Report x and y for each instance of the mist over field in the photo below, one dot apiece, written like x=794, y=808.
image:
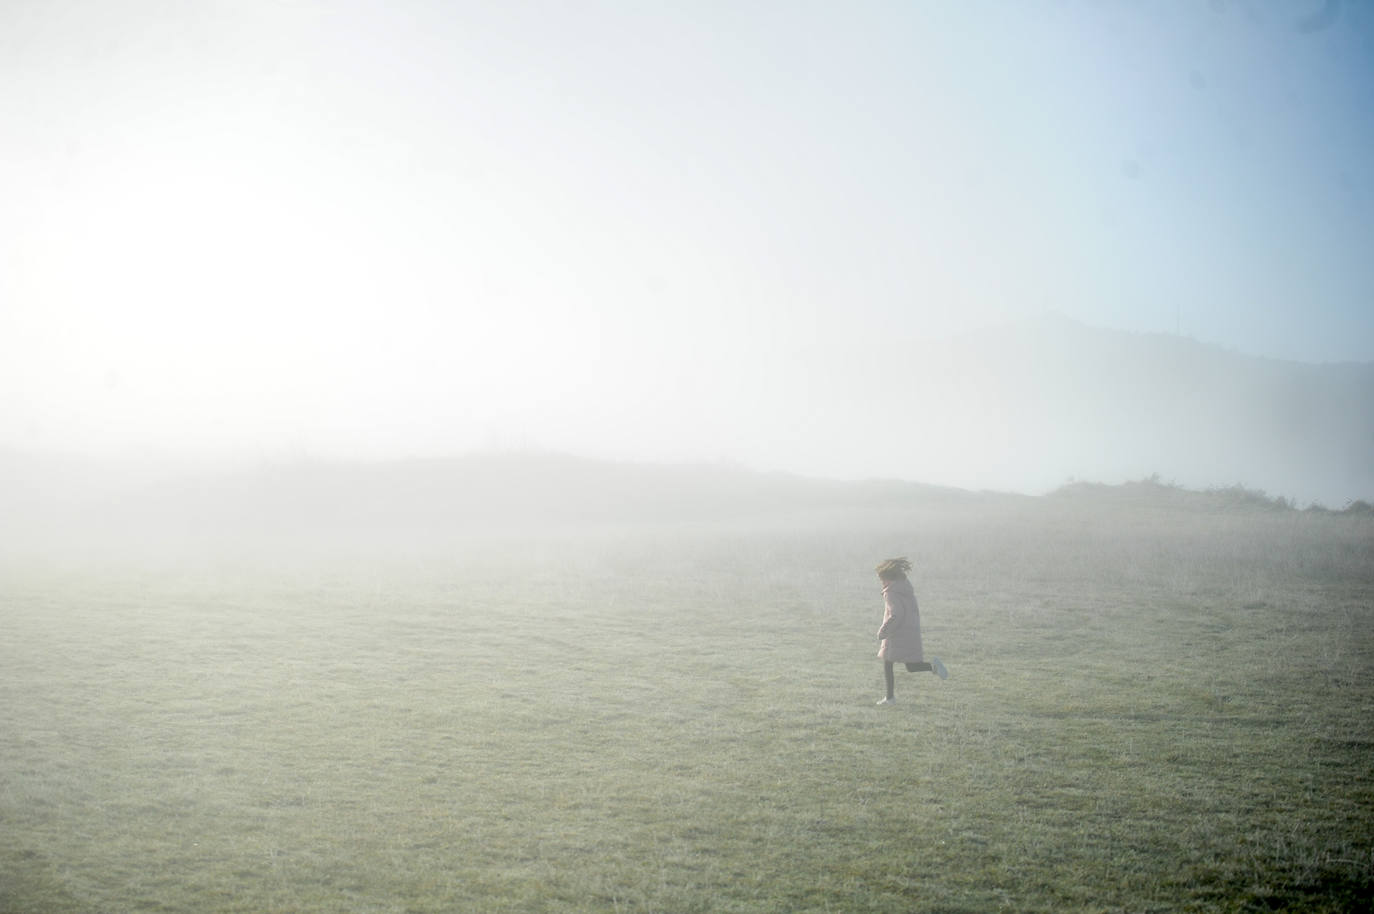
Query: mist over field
x=445, y=448
x=541, y=683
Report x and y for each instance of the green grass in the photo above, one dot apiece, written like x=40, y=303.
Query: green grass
x=1148, y=710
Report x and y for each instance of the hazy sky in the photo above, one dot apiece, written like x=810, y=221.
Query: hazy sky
x=643, y=229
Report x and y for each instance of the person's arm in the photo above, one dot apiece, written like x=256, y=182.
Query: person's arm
x=889, y=618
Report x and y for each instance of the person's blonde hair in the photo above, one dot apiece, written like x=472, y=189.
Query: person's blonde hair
x=893, y=569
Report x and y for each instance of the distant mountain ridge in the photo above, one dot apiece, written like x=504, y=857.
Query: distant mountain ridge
x=1056, y=399
x=473, y=491
x=1021, y=409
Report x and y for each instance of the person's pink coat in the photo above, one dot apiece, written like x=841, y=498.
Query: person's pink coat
x=901, y=630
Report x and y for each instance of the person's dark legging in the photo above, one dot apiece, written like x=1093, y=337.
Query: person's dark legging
x=890, y=680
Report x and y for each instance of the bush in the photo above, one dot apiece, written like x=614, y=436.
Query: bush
x=1238, y=495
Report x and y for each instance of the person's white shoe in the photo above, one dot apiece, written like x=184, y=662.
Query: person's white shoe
x=888, y=701
x=939, y=668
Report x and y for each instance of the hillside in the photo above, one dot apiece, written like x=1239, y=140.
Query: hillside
x=56, y=503
x=88, y=500
x=1031, y=407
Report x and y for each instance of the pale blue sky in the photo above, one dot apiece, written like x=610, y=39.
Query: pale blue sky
x=633, y=228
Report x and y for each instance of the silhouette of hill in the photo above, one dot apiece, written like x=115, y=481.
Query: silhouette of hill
x=1019, y=409
x=55, y=504
x=471, y=492
x=1027, y=408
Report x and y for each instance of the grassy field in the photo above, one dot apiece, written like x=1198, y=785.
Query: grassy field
x=1151, y=707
